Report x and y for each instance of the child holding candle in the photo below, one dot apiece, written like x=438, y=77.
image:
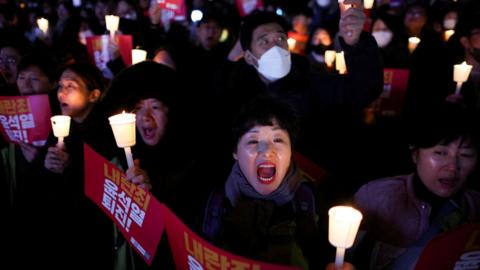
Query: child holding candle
x=403, y=213
x=267, y=209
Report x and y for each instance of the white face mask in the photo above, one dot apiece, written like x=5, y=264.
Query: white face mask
x=323, y=3
x=449, y=24
x=275, y=63
x=383, y=38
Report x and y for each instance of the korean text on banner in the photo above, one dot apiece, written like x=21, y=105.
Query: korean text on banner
x=390, y=103
x=25, y=119
x=135, y=211
x=173, y=10
x=455, y=249
x=193, y=253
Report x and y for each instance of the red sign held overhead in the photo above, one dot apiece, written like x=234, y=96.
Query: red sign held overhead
x=246, y=7
x=134, y=210
x=97, y=47
x=25, y=119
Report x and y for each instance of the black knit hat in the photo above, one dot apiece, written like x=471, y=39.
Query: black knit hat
x=257, y=18
x=142, y=81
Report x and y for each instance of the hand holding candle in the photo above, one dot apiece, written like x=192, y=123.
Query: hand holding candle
x=460, y=75
x=112, y=22
x=343, y=225
x=61, y=127
x=123, y=127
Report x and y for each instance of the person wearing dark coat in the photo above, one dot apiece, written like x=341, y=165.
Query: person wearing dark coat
x=166, y=154
x=329, y=105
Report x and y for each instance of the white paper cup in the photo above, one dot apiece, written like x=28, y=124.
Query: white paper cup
x=60, y=125
x=343, y=223
x=123, y=127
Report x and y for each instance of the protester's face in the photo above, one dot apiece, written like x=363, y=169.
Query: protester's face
x=32, y=80
x=321, y=37
x=300, y=24
x=415, y=18
x=444, y=168
x=264, y=155
x=9, y=58
x=75, y=99
x=152, y=119
x=265, y=37
x=209, y=34
x=100, y=10
x=475, y=38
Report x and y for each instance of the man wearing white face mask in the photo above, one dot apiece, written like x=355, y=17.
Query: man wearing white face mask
x=268, y=68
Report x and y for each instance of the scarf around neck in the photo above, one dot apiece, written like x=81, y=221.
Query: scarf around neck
x=237, y=187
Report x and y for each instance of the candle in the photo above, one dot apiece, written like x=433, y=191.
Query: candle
x=460, y=75
x=61, y=127
x=340, y=64
x=112, y=22
x=447, y=34
x=123, y=127
x=343, y=223
x=413, y=43
x=330, y=57
x=138, y=56
x=368, y=4
x=291, y=43
x=43, y=25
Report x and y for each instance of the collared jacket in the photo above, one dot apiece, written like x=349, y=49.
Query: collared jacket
x=396, y=218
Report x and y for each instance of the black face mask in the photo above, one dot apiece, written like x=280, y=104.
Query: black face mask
x=476, y=54
x=320, y=49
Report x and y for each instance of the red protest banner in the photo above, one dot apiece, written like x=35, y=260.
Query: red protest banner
x=390, y=102
x=455, y=249
x=135, y=211
x=192, y=252
x=246, y=7
x=25, y=119
x=172, y=10
x=173, y=5
x=97, y=47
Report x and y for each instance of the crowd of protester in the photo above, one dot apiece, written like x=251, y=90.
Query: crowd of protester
x=224, y=103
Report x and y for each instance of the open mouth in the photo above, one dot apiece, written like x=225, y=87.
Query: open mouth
x=448, y=182
x=266, y=173
x=149, y=132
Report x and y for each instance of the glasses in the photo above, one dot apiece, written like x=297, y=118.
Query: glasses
x=8, y=60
